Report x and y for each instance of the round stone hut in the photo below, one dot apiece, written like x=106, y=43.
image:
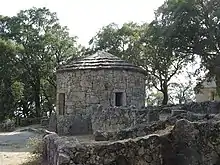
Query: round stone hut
x=102, y=79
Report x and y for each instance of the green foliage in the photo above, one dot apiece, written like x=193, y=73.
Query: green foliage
x=28, y=71
x=160, y=61
x=8, y=75
x=193, y=28
x=120, y=41
x=154, y=98
x=36, y=144
x=182, y=93
x=143, y=45
x=7, y=125
x=33, y=44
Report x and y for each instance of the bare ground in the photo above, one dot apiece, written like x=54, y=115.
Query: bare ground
x=13, y=147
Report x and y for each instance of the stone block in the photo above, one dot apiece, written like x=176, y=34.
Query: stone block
x=63, y=159
x=100, y=136
x=52, y=122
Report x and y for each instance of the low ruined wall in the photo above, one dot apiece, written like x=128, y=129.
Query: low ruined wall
x=151, y=128
x=104, y=119
x=126, y=152
x=186, y=144
x=192, y=143
x=208, y=107
x=113, y=118
x=117, y=118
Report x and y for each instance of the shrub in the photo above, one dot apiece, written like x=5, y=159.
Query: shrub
x=36, y=144
x=7, y=125
x=29, y=121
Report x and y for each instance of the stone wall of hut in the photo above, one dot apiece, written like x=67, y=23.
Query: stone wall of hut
x=83, y=88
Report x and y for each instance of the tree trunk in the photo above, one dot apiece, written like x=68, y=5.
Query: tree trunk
x=37, y=104
x=37, y=97
x=49, y=102
x=8, y=98
x=165, y=98
x=165, y=94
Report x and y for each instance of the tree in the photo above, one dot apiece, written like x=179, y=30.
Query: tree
x=193, y=28
x=46, y=45
x=120, y=41
x=154, y=98
x=182, y=93
x=161, y=62
x=143, y=45
x=8, y=77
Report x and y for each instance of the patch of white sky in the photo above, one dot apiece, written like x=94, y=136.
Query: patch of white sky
x=85, y=18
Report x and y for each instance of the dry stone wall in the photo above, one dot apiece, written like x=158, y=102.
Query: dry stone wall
x=150, y=128
x=188, y=143
x=208, y=107
x=114, y=119
x=118, y=118
x=126, y=152
x=98, y=118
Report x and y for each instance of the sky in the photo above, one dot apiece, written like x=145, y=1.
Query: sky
x=85, y=18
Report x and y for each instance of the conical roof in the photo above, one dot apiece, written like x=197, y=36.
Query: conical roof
x=100, y=60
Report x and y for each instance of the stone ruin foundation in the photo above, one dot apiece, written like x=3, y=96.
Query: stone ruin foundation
x=187, y=143
x=184, y=137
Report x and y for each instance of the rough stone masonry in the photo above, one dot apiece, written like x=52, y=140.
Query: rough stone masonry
x=187, y=143
x=98, y=79
x=105, y=95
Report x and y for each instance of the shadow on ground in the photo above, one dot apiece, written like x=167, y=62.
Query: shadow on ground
x=16, y=141
x=14, y=148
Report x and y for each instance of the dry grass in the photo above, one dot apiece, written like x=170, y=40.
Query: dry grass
x=33, y=160
x=19, y=147
x=36, y=144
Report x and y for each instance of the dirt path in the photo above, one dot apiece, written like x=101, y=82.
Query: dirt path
x=13, y=147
